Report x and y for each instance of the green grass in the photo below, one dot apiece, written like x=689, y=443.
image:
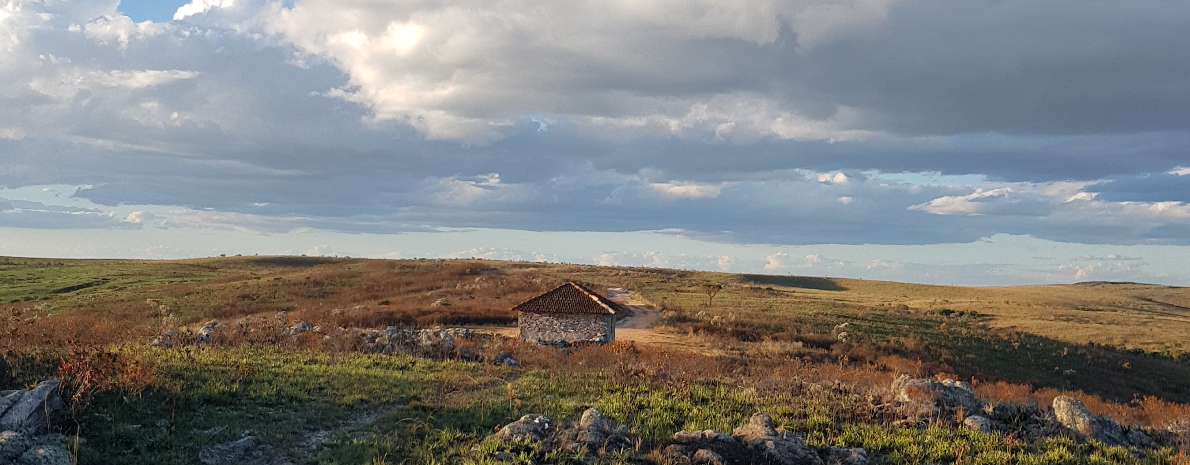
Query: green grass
x=439, y=412
x=28, y=279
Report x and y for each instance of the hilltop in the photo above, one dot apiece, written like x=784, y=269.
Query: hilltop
x=818, y=354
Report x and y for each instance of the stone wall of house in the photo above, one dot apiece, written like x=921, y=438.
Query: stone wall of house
x=567, y=328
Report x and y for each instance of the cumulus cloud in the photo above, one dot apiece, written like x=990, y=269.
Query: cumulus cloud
x=742, y=121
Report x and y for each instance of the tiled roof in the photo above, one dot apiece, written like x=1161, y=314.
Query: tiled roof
x=569, y=298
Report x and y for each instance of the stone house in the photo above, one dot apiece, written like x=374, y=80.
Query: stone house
x=567, y=314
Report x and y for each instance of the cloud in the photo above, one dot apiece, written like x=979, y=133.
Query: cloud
x=197, y=7
x=685, y=190
x=1180, y=171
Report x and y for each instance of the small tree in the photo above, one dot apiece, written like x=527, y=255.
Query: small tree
x=711, y=290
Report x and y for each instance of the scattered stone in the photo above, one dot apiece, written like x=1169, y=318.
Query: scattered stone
x=13, y=444
x=505, y=358
x=300, y=327
x=926, y=398
x=207, y=332
x=440, y=303
x=978, y=423
x=594, y=436
x=847, y=456
x=599, y=434
x=247, y=450
x=705, y=447
x=46, y=454
x=164, y=340
x=531, y=427
x=1074, y=415
x=32, y=412
x=768, y=446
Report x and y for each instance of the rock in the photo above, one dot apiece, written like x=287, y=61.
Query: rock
x=1073, y=415
x=5, y=372
x=244, y=451
x=46, y=454
x=1140, y=439
x=206, y=334
x=13, y=444
x=767, y=446
x=533, y=428
x=440, y=303
x=847, y=456
x=978, y=423
x=707, y=457
x=504, y=358
x=300, y=327
x=32, y=412
x=504, y=456
x=923, y=397
x=164, y=340
x=691, y=444
x=599, y=434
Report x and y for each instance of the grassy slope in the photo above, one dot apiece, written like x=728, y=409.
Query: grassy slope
x=431, y=409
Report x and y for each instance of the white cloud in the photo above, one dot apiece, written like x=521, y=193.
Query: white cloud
x=837, y=178
x=12, y=133
x=119, y=29
x=1180, y=171
x=197, y=7
x=685, y=190
x=845, y=200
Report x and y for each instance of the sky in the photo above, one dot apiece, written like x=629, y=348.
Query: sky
x=987, y=142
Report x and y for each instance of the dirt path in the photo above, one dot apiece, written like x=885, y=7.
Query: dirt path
x=643, y=316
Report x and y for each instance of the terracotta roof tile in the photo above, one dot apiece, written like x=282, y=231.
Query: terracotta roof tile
x=570, y=298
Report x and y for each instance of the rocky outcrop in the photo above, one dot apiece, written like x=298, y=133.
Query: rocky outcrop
x=1074, y=415
x=29, y=411
x=24, y=418
x=762, y=439
x=505, y=358
x=593, y=436
x=932, y=399
x=208, y=332
x=756, y=442
x=705, y=448
x=978, y=423
x=847, y=456
x=435, y=341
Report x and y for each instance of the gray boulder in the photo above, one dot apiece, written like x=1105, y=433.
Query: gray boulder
x=299, y=328
x=13, y=444
x=599, y=434
x=926, y=398
x=769, y=446
x=705, y=447
x=847, y=456
x=978, y=423
x=46, y=454
x=504, y=358
x=207, y=333
x=531, y=427
x=1073, y=415
x=32, y=411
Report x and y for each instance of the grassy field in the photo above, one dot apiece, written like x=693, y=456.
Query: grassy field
x=1121, y=348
